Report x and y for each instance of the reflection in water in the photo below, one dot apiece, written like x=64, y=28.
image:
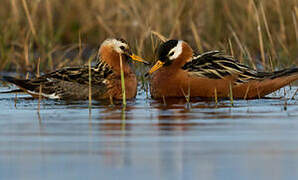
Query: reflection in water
x=115, y=118
x=148, y=140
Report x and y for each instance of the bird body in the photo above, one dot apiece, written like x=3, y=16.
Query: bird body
x=179, y=73
x=72, y=83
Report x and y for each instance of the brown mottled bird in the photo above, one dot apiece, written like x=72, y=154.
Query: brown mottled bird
x=72, y=83
x=178, y=73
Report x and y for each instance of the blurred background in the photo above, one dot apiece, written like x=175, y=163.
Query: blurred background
x=262, y=34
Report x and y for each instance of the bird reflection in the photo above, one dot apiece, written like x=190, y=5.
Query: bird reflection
x=113, y=117
x=121, y=134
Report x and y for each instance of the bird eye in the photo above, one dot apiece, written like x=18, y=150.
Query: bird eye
x=171, y=54
x=122, y=47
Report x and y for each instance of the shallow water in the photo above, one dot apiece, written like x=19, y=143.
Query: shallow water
x=256, y=139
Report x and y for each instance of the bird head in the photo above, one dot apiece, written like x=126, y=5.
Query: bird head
x=120, y=46
x=172, y=53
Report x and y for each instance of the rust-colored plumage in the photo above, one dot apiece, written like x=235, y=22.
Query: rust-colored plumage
x=179, y=72
x=72, y=83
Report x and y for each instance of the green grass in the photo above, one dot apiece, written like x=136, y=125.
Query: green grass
x=257, y=32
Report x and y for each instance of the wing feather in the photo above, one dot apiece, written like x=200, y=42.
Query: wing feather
x=75, y=77
x=215, y=65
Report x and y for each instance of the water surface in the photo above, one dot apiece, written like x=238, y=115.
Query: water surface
x=256, y=139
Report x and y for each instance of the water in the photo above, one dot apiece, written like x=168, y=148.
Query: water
x=256, y=139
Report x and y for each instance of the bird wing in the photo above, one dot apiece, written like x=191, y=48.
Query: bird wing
x=66, y=80
x=78, y=74
x=215, y=65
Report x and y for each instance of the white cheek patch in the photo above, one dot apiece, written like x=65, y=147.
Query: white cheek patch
x=115, y=44
x=177, y=51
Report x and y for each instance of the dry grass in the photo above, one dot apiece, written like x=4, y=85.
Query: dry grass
x=254, y=31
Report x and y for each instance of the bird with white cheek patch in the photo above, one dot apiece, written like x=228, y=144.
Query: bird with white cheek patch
x=72, y=83
x=178, y=72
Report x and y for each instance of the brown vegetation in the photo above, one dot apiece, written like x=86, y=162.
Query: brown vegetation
x=261, y=32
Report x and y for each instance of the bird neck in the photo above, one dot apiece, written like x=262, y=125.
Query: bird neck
x=112, y=58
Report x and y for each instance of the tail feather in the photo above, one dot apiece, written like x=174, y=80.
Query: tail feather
x=12, y=91
x=22, y=83
x=266, y=83
x=277, y=80
x=285, y=73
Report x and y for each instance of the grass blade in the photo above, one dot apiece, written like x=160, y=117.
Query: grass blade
x=122, y=82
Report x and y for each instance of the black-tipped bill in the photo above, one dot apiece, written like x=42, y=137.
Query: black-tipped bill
x=157, y=65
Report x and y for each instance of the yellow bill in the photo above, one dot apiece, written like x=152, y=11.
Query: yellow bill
x=157, y=65
x=139, y=59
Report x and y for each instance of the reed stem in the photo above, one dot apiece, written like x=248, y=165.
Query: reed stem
x=246, y=92
x=90, y=84
x=40, y=86
x=16, y=100
x=286, y=102
x=29, y=18
x=231, y=95
x=39, y=98
x=122, y=82
x=231, y=48
x=123, y=117
x=164, y=100
x=293, y=97
x=215, y=96
x=161, y=37
x=196, y=36
x=260, y=35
